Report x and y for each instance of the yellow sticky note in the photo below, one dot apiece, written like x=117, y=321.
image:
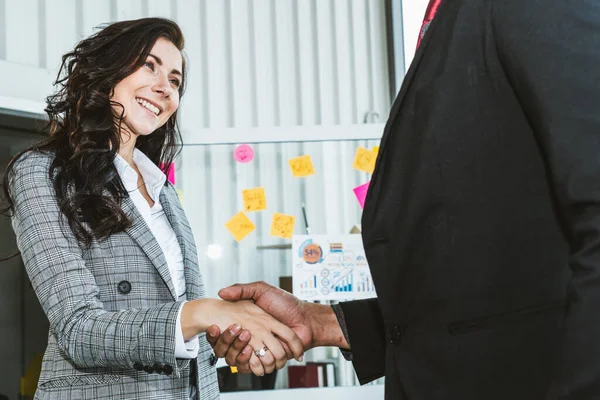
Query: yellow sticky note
x=240, y=226
x=180, y=195
x=283, y=225
x=254, y=199
x=376, y=149
x=364, y=160
x=233, y=370
x=302, y=166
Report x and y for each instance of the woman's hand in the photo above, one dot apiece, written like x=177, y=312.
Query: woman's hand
x=315, y=324
x=265, y=332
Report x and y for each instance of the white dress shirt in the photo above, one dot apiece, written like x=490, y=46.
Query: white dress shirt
x=154, y=180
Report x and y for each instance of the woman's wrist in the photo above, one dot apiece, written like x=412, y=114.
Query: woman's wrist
x=198, y=315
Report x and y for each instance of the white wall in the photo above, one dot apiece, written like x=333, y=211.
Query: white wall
x=253, y=63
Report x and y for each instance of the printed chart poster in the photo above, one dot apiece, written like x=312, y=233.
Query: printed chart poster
x=330, y=267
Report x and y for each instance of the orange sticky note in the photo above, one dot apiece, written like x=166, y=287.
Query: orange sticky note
x=364, y=160
x=254, y=199
x=302, y=166
x=240, y=226
x=233, y=370
x=283, y=225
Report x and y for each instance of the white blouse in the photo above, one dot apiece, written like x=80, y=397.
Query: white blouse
x=154, y=180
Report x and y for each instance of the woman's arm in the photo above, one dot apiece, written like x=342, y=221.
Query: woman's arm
x=88, y=335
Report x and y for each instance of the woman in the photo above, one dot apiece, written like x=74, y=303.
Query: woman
x=105, y=242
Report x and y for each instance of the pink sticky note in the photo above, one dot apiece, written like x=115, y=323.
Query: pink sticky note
x=361, y=193
x=243, y=153
x=170, y=172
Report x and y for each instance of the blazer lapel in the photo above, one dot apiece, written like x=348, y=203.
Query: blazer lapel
x=414, y=66
x=185, y=237
x=141, y=234
x=374, y=190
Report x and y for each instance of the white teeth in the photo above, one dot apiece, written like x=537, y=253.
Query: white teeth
x=149, y=106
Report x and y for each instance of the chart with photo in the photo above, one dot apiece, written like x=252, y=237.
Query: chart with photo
x=330, y=267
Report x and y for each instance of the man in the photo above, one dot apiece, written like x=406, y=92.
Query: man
x=482, y=221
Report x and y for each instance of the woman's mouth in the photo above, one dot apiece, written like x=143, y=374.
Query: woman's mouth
x=154, y=110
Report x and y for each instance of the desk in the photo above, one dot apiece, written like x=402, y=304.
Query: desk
x=371, y=392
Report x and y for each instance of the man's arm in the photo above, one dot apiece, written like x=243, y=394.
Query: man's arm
x=550, y=51
x=366, y=332
x=315, y=324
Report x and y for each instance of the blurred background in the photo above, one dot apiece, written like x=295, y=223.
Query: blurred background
x=287, y=77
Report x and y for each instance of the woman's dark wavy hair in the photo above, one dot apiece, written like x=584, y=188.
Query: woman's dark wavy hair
x=83, y=134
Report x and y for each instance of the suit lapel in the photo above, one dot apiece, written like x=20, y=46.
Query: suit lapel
x=410, y=75
x=141, y=234
x=374, y=190
x=185, y=237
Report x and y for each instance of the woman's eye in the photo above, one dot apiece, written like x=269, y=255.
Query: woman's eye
x=175, y=82
x=149, y=64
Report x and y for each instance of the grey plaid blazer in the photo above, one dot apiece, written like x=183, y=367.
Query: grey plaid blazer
x=111, y=307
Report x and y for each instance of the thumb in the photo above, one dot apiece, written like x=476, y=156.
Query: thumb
x=231, y=293
x=247, y=291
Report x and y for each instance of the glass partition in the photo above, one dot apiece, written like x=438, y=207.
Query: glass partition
x=210, y=182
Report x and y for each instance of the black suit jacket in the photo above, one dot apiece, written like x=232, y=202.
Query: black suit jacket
x=482, y=222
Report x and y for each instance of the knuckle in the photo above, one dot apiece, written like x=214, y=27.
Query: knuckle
x=230, y=360
x=219, y=352
x=280, y=355
x=255, y=363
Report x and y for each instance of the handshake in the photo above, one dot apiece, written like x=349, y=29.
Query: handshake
x=270, y=326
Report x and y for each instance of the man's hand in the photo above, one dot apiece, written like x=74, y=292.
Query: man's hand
x=315, y=324
x=289, y=310
x=283, y=306
x=233, y=344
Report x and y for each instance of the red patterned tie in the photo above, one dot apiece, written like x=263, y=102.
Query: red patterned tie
x=432, y=8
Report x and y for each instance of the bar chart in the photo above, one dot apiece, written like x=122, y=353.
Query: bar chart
x=330, y=267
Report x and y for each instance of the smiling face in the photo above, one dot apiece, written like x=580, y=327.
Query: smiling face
x=150, y=95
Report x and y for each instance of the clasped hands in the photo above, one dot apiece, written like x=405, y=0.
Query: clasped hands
x=292, y=327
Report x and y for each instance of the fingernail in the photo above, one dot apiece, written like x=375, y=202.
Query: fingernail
x=246, y=350
x=235, y=329
x=245, y=336
x=301, y=358
x=212, y=333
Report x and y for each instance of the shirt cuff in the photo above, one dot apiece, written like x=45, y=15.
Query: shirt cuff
x=339, y=314
x=184, y=349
